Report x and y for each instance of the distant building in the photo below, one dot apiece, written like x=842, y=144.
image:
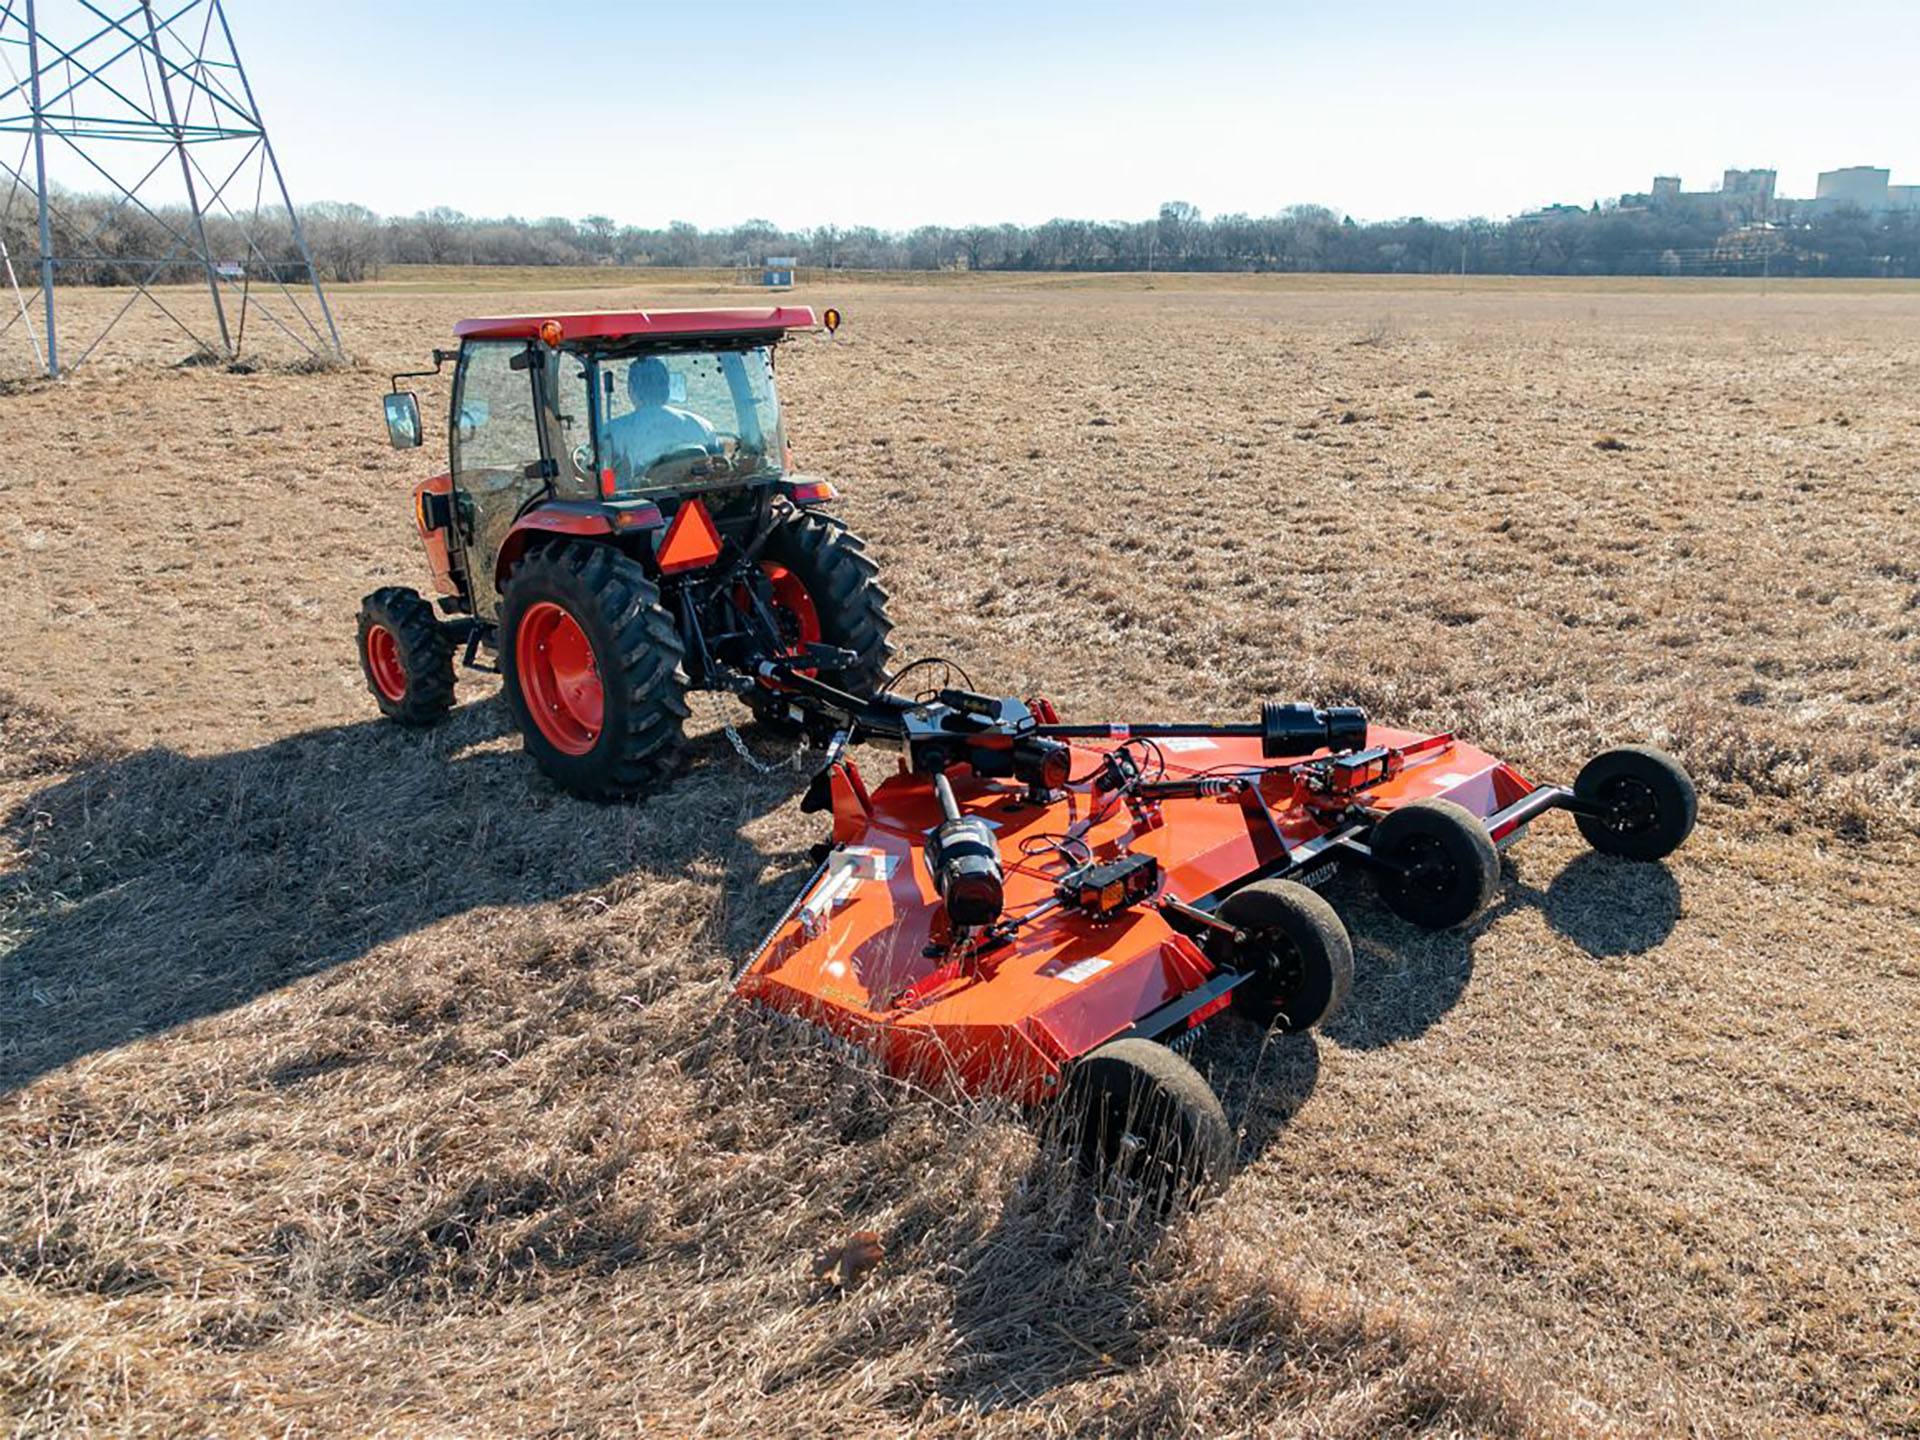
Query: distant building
x=1749, y=198
x=778, y=273
x=1862, y=186
x=1553, y=212
x=1747, y=195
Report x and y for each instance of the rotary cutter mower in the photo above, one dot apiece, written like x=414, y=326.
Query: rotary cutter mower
x=1046, y=910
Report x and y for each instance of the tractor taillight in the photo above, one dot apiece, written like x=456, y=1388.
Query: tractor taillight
x=608, y=483
x=813, y=492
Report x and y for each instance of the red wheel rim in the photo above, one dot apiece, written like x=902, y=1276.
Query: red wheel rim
x=793, y=609
x=559, y=678
x=383, y=663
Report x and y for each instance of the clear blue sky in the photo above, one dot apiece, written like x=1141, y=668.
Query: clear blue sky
x=896, y=113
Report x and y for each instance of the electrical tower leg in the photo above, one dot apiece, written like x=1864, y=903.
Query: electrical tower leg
x=40, y=185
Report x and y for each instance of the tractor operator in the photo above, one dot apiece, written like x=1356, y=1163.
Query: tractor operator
x=654, y=428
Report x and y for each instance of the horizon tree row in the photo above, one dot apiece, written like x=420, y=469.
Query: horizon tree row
x=352, y=243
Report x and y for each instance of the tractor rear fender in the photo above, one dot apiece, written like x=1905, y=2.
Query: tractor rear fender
x=590, y=520
x=542, y=526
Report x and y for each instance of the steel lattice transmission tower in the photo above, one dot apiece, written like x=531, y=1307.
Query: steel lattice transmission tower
x=147, y=106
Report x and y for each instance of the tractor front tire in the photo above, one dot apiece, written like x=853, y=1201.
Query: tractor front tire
x=849, y=603
x=406, y=656
x=1441, y=863
x=592, y=671
x=1300, y=954
x=1149, y=1122
x=1646, y=799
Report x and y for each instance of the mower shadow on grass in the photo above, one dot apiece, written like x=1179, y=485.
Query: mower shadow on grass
x=1405, y=980
x=156, y=888
x=1050, y=1295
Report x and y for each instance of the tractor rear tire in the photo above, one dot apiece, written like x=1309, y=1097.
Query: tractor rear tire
x=1447, y=863
x=406, y=656
x=592, y=670
x=1148, y=1121
x=1300, y=954
x=843, y=583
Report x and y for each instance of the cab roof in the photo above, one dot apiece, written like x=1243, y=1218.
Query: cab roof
x=772, y=320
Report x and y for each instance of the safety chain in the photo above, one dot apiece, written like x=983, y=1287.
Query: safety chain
x=795, y=761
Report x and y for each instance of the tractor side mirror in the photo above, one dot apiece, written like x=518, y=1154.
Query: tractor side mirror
x=403, y=419
x=676, y=389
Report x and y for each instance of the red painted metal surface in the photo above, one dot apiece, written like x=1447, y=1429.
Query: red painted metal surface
x=547, y=520
x=863, y=952
x=558, y=678
x=383, y=663
x=439, y=561
x=613, y=325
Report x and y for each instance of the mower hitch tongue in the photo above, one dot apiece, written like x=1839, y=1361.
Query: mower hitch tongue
x=1027, y=907
x=1040, y=910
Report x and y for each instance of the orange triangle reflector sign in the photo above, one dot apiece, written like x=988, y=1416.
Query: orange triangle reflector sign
x=692, y=540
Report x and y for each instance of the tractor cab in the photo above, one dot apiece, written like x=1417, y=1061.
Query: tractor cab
x=604, y=420
x=619, y=523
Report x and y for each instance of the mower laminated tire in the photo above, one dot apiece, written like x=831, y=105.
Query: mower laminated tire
x=1439, y=864
x=1647, y=801
x=406, y=656
x=592, y=670
x=1299, y=952
x=849, y=604
x=1148, y=1121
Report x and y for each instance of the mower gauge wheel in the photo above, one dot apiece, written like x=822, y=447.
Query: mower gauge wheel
x=1646, y=799
x=1439, y=865
x=1300, y=955
x=1144, y=1120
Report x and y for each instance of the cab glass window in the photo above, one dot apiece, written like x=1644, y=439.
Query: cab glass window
x=495, y=425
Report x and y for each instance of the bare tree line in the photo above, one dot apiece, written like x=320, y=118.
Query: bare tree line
x=351, y=243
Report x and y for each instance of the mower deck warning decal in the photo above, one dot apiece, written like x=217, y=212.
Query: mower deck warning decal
x=1083, y=970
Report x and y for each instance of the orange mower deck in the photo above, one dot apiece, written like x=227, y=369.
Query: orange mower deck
x=865, y=950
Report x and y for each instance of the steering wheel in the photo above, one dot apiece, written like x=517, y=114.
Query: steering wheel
x=681, y=462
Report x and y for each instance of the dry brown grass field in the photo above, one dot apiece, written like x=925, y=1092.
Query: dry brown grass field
x=355, y=1081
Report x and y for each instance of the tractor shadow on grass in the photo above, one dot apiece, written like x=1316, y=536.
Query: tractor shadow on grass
x=154, y=888
x=1405, y=979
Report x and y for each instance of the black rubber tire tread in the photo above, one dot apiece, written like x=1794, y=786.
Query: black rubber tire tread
x=1462, y=840
x=844, y=584
x=426, y=654
x=1676, y=806
x=1141, y=1087
x=1287, y=912
x=637, y=648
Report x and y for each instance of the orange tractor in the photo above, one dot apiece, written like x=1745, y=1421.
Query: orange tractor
x=1026, y=906
x=620, y=523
